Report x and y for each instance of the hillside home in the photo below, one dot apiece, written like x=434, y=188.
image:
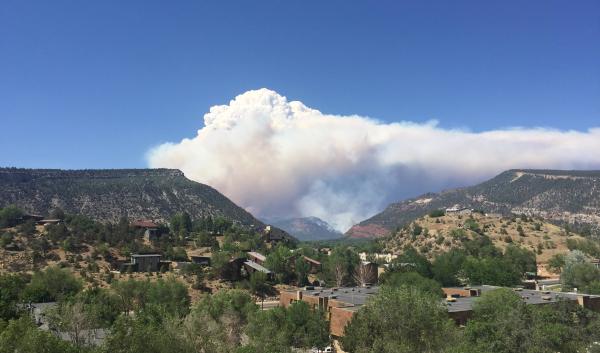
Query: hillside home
x=251, y=267
x=315, y=266
x=143, y=263
x=458, y=210
x=200, y=260
x=257, y=257
x=45, y=222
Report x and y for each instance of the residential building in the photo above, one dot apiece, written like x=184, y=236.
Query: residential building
x=340, y=304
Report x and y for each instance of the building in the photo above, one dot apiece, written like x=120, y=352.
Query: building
x=143, y=263
x=460, y=301
x=200, y=260
x=384, y=257
x=340, y=304
x=45, y=222
x=273, y=235
x=151, y=234
x=251, y=267
x=257, y=257
x=458, y=210
x=315, y=266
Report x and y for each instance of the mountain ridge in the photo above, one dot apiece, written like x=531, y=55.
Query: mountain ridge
x=109, y=194
x=560, y=196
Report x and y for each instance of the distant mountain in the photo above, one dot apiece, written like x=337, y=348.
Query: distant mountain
x=308, y=228
x=108, y=195
x=562, y=197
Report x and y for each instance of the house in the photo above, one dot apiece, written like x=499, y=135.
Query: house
x=251, y=267
x=232, y=271
x=458, y=210
x=275, y=235
x=326, y=251
x=31, y=217
x=151, y=235
x=45, y=222
x=143, y=263
x=315, y=266
x=200, y=260
x=257, y=257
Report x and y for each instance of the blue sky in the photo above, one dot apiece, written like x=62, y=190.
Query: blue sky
x=96, y=84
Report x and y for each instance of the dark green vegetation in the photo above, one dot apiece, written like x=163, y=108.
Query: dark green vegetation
x=405, y=318
x=534, y=192
x=109, y=195
x=148, y=316
x=477, y=262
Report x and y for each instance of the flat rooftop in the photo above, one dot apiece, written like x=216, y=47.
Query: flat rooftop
x=529, y=296
x=146, y=255
x=355, y=297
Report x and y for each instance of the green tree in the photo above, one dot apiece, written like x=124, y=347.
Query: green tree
x=578, y=272
x=10, y=216
x=181, y=225
x=411, y=261
x=503, y=323
x=413, y=280
x=523, y=259
x=296, y=326
x=340, y=265
x=499, y=323
x=279, y=260
x=51, y=284
x=302, y=269
x=556, y=263
x=399, y=320
x=23, y=335
x=446, y=267
x=11, y=287
x=491, y=270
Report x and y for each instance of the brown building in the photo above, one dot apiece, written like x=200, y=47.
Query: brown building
x=340, y=304
x=315, y=266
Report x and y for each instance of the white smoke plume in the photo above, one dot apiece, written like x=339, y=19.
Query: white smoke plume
x=279, y=158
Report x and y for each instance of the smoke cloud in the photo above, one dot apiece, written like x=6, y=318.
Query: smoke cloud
x=280, y=158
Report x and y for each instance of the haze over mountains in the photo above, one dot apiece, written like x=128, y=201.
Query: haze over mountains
x=558, y=196
x=307, y=228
